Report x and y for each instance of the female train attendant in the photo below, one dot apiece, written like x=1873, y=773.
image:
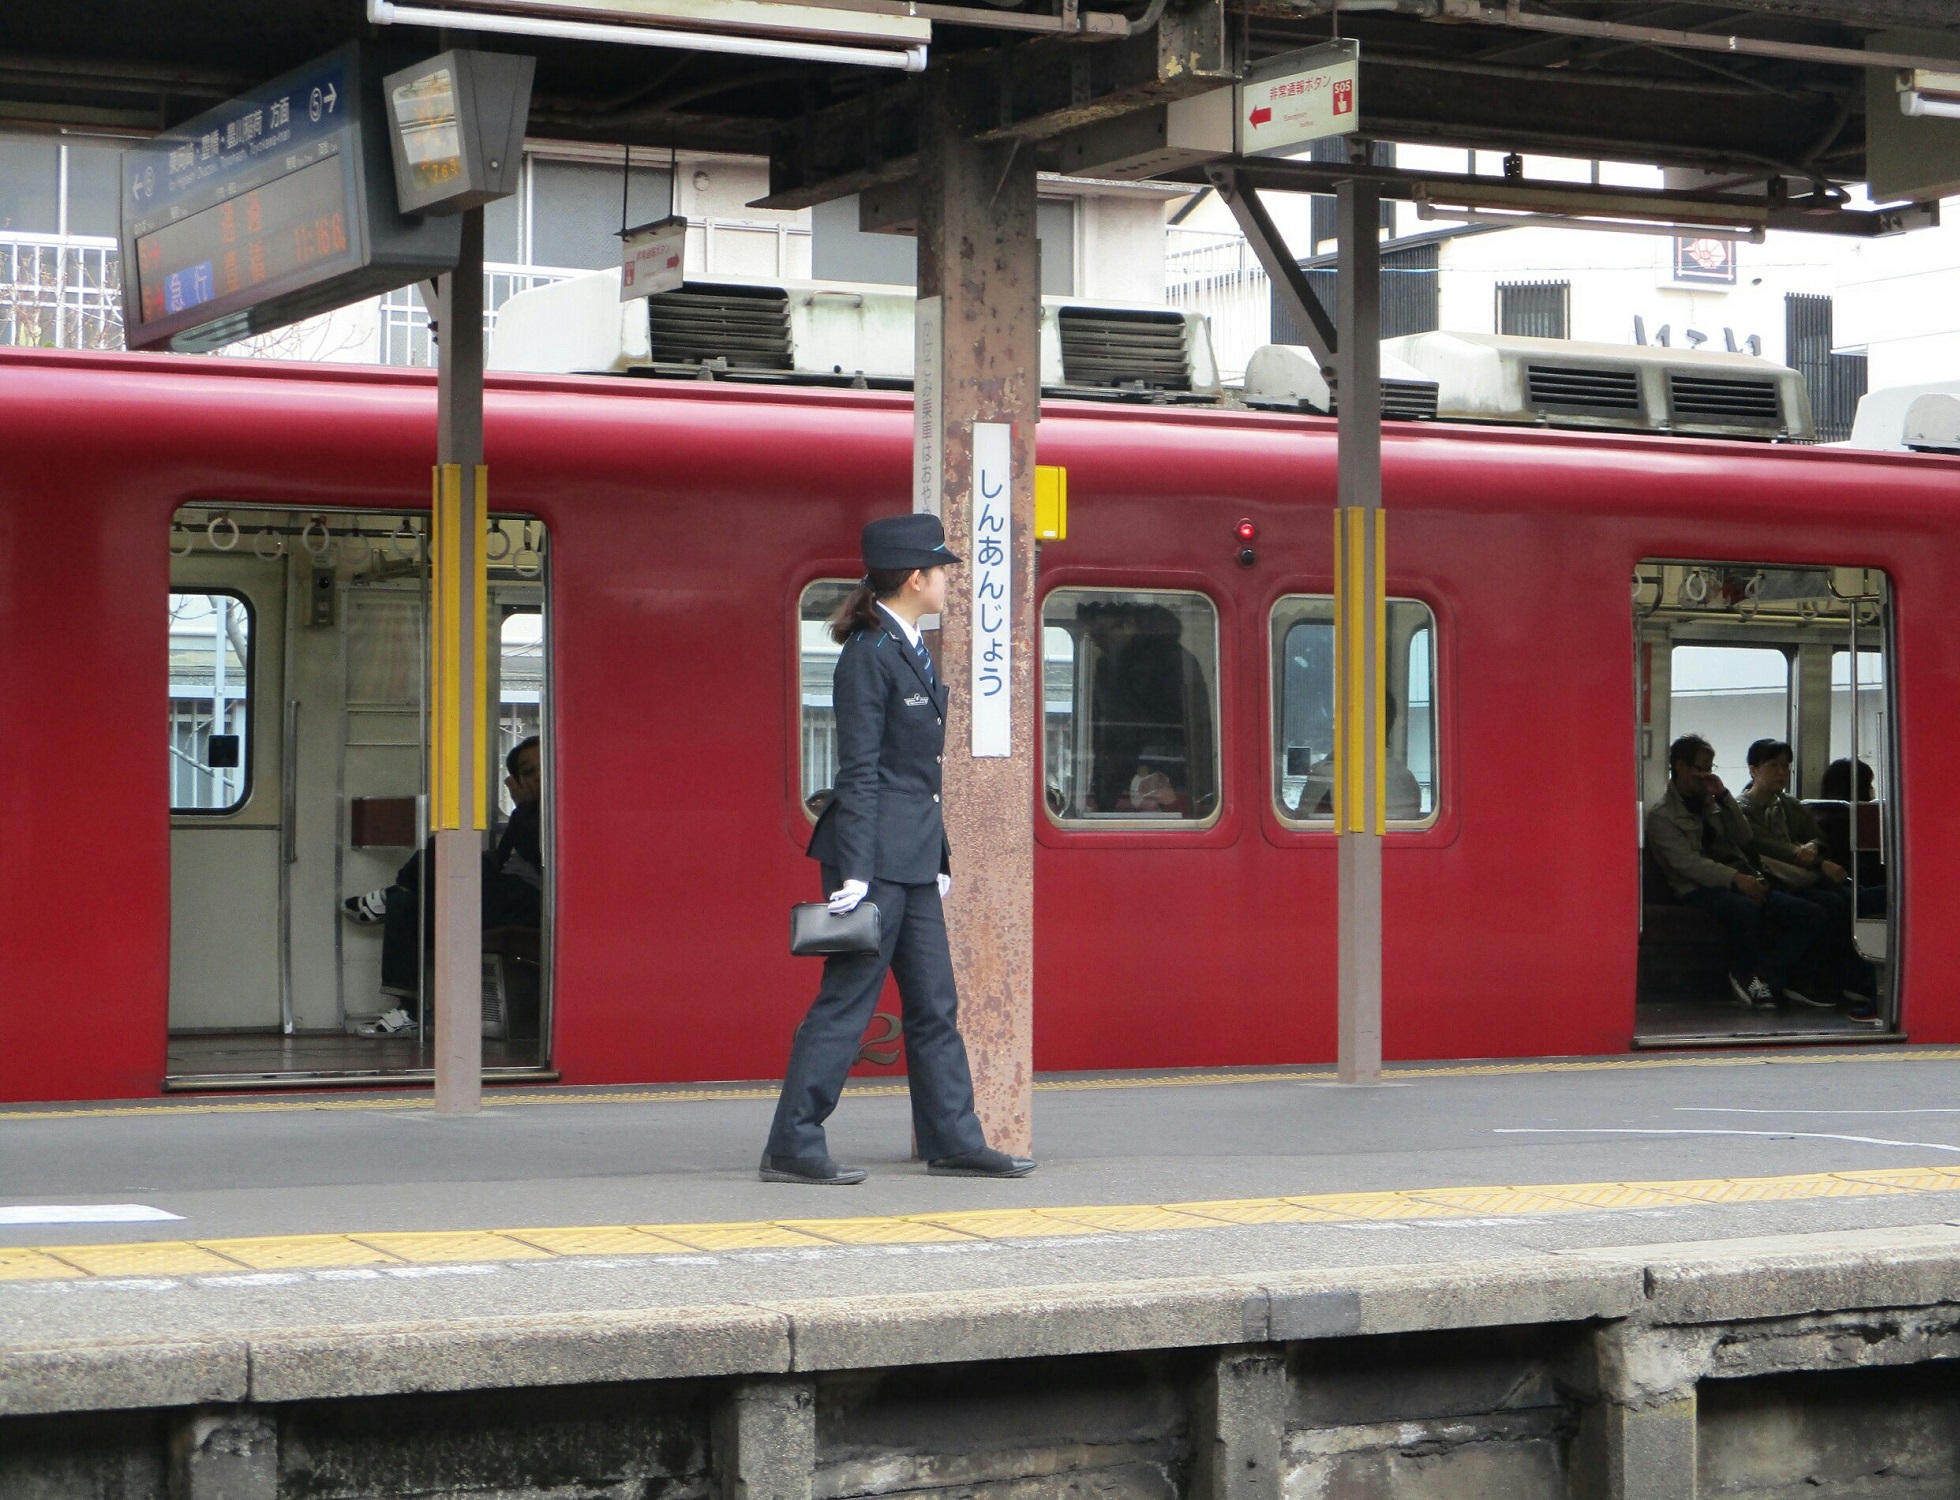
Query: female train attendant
x=881, y=839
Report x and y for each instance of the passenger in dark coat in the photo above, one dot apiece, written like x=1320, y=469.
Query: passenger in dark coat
x=882, y=838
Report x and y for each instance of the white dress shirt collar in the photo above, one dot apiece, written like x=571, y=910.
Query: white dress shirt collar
x=910, y=630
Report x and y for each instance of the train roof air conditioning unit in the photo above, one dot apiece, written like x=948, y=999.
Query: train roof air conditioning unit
x=1484, y=377
x=838, y=333
x=1287, y=376
x=810, y=332
x=1933, y=424
x=1922, y=418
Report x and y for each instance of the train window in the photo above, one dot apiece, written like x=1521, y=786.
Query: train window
x=1130, y=706
x=1870, y=747
x=1731, y=696
x=1303, y=710
x=520, y=690
x=210, y=702
x=817, y=666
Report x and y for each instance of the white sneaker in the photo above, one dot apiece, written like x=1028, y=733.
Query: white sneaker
x=392, y=1023
x=1754, y=993
x=373, y=907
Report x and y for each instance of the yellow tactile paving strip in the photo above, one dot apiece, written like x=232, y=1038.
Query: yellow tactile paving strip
x=403, y=1250
x=684, y=1094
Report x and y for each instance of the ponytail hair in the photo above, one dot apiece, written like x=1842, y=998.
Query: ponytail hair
x=859, y=610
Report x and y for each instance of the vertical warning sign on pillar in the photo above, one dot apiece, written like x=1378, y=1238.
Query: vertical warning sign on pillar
x=992, y=570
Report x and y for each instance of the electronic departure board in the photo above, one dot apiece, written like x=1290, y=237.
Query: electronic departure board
x=271, y=208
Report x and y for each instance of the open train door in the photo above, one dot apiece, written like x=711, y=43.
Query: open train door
x=1747, y=657
x=300, y=925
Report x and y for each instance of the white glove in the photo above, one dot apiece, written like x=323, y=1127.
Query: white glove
x=847, y=898
x=945, y=885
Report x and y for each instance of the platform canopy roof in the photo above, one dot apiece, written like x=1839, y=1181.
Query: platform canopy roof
x=1635, y=80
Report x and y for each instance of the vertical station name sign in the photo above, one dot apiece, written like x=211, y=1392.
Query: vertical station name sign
x=992, y=569
x=1289, y=101
x=273, y=207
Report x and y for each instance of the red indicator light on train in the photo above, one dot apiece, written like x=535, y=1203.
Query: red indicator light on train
x=1247, y=531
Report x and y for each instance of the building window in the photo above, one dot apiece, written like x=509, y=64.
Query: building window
x=1130, y=706
x=1054, y=232
x=1534, y=309
x=210, y=702
x=1303, y=710
x=1836, y=382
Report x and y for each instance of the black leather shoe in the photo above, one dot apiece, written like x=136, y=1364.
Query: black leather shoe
x=820, y=1170
x=986, y=1162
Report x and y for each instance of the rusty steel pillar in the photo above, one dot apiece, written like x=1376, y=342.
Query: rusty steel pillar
x=980, y=292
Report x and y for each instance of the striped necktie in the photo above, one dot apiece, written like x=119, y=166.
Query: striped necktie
x=925, y=660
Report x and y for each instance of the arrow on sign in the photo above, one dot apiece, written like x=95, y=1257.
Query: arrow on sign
x=330, y=97
x=1260, y=116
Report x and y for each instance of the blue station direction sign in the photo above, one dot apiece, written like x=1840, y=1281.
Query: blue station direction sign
x=275, y=206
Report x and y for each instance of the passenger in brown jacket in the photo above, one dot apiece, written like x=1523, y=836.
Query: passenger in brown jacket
x=1703, y=844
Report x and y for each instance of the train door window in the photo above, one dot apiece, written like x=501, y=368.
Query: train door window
x=210, y=701
x=1130, y=707
x=817, y=671
x=1738, y=654
x=1303, y=711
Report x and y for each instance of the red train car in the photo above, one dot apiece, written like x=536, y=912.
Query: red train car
x=1569, y=601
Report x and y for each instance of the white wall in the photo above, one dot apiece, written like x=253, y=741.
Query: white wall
x=1899, y=299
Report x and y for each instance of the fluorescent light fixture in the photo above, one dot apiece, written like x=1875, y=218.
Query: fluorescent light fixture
x=1754, y=235
x=1925, y=92
x=746, y=28
x=1738, y=216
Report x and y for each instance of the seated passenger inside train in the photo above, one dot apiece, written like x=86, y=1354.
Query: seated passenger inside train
x=1404, y=792
x=1147, y=689
x=1833, y=817
x=1704, y=846
x=1792, y=853
x=513, y=889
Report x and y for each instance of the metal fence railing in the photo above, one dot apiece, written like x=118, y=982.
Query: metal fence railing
x=405, y=316
x=1216, y=274
x=60, y=293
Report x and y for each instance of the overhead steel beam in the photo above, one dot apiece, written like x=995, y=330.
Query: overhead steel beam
x=1809, y=213
x=1026, y=93
x=1290, y=283
x=1925, y=15
x=1514, y=15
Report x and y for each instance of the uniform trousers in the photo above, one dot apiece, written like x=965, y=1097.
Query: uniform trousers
x=913, y=948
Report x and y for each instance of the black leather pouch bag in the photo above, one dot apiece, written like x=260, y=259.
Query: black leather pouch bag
x=814, y=930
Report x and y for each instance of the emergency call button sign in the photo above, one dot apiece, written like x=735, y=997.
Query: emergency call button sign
x=1289, y=101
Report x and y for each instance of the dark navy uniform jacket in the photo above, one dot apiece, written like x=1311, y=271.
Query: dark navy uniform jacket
x=883, y=821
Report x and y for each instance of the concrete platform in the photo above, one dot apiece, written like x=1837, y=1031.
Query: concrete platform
x=1667, y=1277
x=348, y=1211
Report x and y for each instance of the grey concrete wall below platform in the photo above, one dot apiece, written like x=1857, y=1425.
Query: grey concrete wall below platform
x=1820, y=1366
